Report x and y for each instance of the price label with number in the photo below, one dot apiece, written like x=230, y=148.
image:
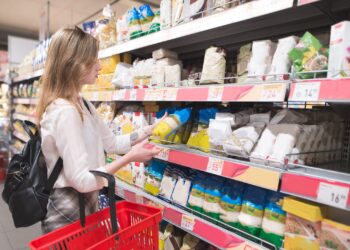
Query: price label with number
x=95, y=96
x=119, y=95
x=120, y=192
x=306, y=91
x=171, y=94
x=188, y=222
x=164, y=154
x=215, y=93
x=333, y=195
x=215, y=166
x=273, y=92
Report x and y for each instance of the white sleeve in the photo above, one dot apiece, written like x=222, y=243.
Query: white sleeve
x=112, y=144
x=71, y=148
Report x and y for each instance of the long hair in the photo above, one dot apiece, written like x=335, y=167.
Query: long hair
x=71, y=55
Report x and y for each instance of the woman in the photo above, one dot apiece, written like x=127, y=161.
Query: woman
x=70, y=131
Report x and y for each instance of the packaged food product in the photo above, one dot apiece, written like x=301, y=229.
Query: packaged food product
x=108, y=64
x=218, y=5
x=212, y=194
x=170, y=124
x=139, y=174
x=261, y=59
x=125, y=174
x=122, y=29
x=260, y=117
x=155, y=25
x=281, y=63
x=165, y=14
x=177, y=11
x=289, y=116
x=334, y=235
x=147, y=16
x=182, y=187
x=303, y=224
x=106, y=112
x=122, y=77
x=90, y=27
x=172, y=75
x=273, y=225
x=309, y=55
x=134, y=23
x=154, y=177
x=199, y=140
x=251, y=215
x=214, y=66
x=339, y=50
x=106, y=28
x=196, y=197
x=231, y=203
x=168, y=183
x=164, y=53
x=219, y=131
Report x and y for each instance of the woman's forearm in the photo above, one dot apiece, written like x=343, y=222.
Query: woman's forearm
x=114, y=166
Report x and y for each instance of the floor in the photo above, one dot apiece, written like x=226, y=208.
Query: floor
x=12, y=238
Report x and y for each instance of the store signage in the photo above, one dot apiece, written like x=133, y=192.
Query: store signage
x=333, y=195
x=187, y=222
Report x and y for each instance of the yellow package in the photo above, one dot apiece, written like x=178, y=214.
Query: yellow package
x=104, y=82
x=303, y=225
x=126, y=58
x=200, y=140
x=335, y=235
x=125, y=174
x=109, y=64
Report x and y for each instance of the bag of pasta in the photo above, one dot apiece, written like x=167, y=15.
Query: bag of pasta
x=106, y=31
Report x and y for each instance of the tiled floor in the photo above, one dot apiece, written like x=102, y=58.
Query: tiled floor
x=12, y=238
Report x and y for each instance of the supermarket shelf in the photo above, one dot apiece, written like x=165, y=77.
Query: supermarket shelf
x=242, y=171
x=24, y=117
x=222, y=21
x=318, y=185
x=324, y=90
x=205, y=230
x=21, y=136
x=263, y=92
x=28, y=76
x=30, y=101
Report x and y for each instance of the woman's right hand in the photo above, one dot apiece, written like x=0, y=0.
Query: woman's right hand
x=143, y=152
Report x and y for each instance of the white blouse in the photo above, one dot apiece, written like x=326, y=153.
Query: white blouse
x=80, y=143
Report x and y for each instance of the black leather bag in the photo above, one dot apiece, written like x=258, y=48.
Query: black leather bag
x=27, y=187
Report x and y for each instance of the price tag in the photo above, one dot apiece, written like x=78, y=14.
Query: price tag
x=273, y=93
x=170, y=94
x=133, y=95
x=120, y=192
x=119, y=95
x=215, y=93
x=188, y=222
x=139, y=199
x=164, y=154
x=215, y=166
x=333, y=195
x=102, y=96
x=306, y=91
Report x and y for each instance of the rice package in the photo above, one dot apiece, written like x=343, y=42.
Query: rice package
x=212, y=194
x=146, y=17
x=182, y=187
x=253, y=205
x=155, y=24
x=214, y=66
x=231, y=202
x=309, y=55
x=196, y=197
x=168, y=183
x=273, y=224
x=134, y=23
x=154, y=177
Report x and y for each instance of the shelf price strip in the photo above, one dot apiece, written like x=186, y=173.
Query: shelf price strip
x=306, y=91
x=272, y=92
x=333, y=195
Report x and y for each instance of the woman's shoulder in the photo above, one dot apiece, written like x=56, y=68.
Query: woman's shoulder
x=58, y=108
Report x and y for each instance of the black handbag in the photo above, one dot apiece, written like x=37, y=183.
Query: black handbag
x=27, y=187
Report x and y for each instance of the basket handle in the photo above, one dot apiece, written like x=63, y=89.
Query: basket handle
x=111, y=197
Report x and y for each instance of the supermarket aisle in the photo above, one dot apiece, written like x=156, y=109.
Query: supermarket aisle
x=12, y=238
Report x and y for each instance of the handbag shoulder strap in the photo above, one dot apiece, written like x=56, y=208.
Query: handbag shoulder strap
x=87, y=105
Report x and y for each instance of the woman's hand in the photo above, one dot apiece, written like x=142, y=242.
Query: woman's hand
x=143, y=152
x=149, y=129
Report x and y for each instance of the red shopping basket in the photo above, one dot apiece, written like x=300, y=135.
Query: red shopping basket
x=137, y=229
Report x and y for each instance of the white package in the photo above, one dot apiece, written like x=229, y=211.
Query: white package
x=168, y=62
x=138, y=174
x=172, y=75
x=218, y=132
x=122, y=77
x=260, y=62
x=177, y=11
x=243, y=140
x=164, y=53
x=339, y=50
x=122, y=28
x=158, y=76
x=214, y=66
x=181, y=191
x=218, y=5
x=284, y=143
x=300, y=146
x=281, y=63
x=167, y=186
x=289, y=116
x=165, y=14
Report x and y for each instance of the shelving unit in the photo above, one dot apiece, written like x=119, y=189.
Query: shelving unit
x=182, y=218
x=255, y=20
x=24, y=117
x=21, y=136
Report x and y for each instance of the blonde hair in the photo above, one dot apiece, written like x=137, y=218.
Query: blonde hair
x=71, y=55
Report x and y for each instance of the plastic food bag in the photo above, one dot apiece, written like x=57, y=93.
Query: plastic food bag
x=146, y=15
x=134, y=23
x=164, y=53
x=155, y=25
x=122, y=77
x=214, y=66
x=309, y=55
x=218, y=132
x=165, y=14
x=106, y=28
x=122, y=29
x=172, y=75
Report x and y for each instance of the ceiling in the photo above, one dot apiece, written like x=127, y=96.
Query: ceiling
x=22, y=17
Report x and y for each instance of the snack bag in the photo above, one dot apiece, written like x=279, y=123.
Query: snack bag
x=147, y=16
x=134, y=23
x=196, y=198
